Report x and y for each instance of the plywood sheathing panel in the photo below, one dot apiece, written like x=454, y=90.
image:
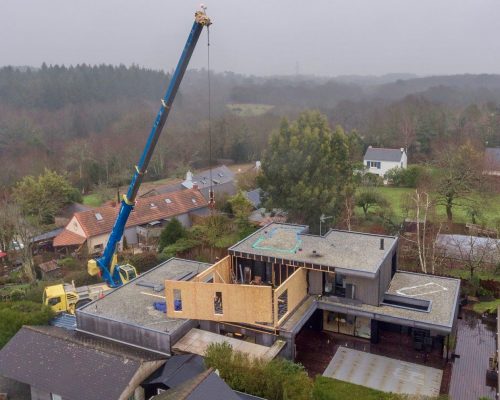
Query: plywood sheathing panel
x=240, y=303
x=220, y=271
x=296, y=285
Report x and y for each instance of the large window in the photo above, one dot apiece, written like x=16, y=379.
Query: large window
x=347, y=324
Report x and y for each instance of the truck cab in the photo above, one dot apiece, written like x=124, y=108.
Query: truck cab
x=58, y=299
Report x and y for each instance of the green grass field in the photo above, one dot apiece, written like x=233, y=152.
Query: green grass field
x=490, y=206
x=92, y=200
x=249, y=109
x=486, y=306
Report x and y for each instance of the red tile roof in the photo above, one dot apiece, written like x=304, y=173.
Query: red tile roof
x=68, y=238
x=100, y=220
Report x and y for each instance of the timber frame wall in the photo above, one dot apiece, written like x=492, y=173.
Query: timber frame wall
x=246, y=304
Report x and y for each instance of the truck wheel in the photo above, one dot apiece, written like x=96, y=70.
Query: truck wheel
x=81, y=303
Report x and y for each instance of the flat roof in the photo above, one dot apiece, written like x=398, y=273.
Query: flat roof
x=352, y=251
x=132, y=303
x=442, y=292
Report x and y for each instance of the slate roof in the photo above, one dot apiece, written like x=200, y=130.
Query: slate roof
x=206, y=386
x=74, y=365
x=220, y=175
x=383, y=154
x=47, y=235
x=100, y=220
x=178, y=370
x=253, y=197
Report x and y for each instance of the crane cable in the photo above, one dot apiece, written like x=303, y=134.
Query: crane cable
x=211, y=201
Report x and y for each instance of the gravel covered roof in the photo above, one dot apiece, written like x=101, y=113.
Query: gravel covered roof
x=442, y=292
x=339, y=249
x=133, y=303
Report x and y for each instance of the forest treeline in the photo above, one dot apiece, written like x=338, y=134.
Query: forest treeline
x=91, y=121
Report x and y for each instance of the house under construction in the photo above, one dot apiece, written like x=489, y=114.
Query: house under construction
x=270, y=286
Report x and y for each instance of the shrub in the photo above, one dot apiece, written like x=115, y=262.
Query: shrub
x=15, y=314
x=406, y=177
x=144, y=261
x=69, y=262
x=277, y=379
x=172, y=232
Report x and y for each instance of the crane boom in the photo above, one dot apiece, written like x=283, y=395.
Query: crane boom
x=105, y=264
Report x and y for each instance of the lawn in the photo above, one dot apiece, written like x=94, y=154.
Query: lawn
x=92, y=200
x=333, y=389
x=249, y=109
x=464, y=273
x=486, y=306
x=489, y=203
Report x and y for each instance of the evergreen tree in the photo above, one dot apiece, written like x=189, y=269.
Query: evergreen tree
x=172, y=232
x=306, y=169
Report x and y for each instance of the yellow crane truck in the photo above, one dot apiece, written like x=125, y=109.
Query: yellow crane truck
x=66, y=297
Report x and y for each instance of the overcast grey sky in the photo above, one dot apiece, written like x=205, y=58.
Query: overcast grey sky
x=263, y=37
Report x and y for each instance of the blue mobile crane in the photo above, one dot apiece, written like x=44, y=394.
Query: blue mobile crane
x=113, y=274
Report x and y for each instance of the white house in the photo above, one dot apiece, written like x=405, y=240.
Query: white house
x=380, y=160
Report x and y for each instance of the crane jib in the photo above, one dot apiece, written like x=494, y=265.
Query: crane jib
x=109, y=274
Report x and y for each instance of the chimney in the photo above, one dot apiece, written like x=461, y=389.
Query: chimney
x=381, y=243
x=195, y=185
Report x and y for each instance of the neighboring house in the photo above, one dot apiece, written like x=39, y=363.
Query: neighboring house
x=380, y=160
x=492, y=161
x=90, y=229
x=185, y=377
x=60, y=364
x=223, y=182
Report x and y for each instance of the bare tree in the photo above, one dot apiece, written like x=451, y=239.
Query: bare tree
x=419, y=207
x=473, y=251
x=25, y=230
x=7, y=225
